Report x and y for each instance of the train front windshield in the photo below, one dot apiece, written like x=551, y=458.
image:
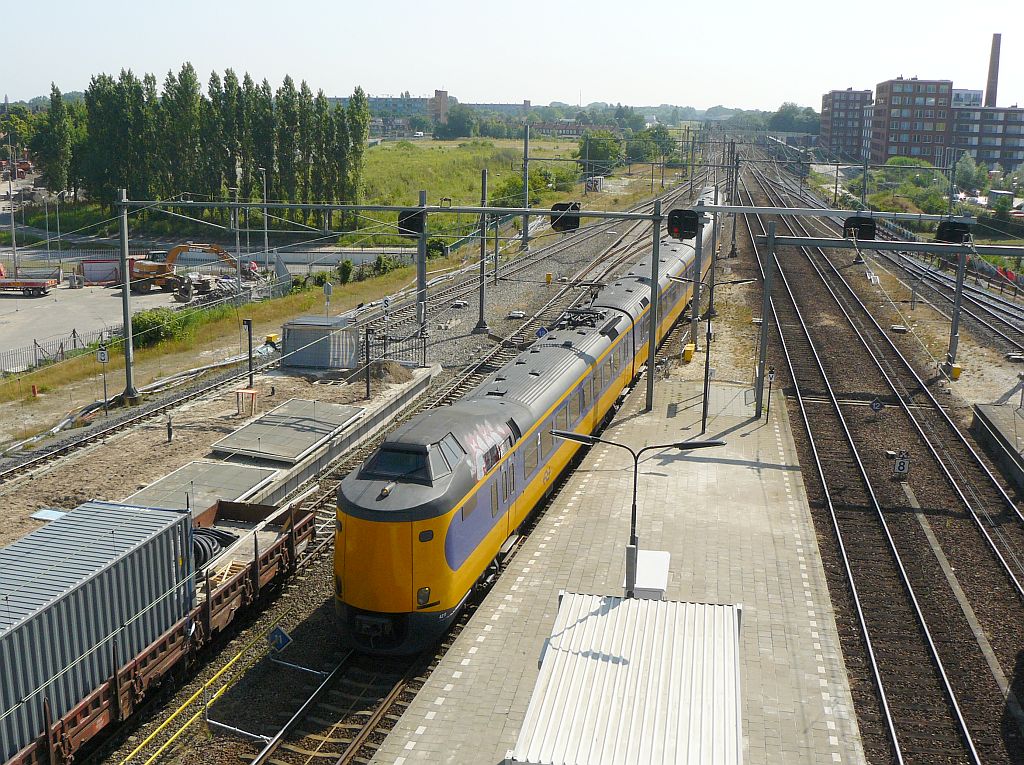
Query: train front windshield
x=398, y=464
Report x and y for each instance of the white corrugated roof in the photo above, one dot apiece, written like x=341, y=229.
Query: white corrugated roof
x=636, y=682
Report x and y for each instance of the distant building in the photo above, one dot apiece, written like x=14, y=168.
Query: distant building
x=842, y=121
x=991, y=134
x=569, y=128
x=437, y=107
x=867, y=121
x=409, y=106
x=911, y=118
x=963, y=97
x=509, y=110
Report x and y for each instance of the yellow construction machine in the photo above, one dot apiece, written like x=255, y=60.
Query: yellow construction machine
x=158, y=269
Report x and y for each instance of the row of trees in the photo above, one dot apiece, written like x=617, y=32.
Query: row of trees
x=603, y=149
x=126, y=133
x=912, y=184
x=788, y=118
x=464, y=121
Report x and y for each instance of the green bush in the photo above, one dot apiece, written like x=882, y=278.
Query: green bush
x=345, y=271
x=435, y=248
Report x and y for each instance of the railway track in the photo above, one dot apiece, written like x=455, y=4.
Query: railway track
x=926, y=573
x=439, y=303
x=353, y=705
x=992, y=315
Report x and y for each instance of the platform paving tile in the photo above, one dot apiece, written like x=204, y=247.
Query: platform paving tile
x=736, y=522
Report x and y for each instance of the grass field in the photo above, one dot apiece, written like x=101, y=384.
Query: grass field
x=394, y=173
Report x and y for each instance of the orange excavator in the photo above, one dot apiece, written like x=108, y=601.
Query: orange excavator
x=158, y=270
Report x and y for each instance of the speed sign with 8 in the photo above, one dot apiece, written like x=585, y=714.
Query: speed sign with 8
x=901, y=465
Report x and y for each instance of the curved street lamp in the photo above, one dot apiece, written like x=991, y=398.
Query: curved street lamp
x=632, y=547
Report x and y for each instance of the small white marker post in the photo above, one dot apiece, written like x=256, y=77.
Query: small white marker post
x=103, y=356
x=328, y=289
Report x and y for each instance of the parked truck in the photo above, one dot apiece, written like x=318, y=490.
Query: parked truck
x=33, y=286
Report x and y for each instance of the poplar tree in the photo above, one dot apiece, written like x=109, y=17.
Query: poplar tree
x=58, y=163
x=286, y=109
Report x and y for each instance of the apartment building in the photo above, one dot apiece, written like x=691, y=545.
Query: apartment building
x=911, y=118
x=842, y=121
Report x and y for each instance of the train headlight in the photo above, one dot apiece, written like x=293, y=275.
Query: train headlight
x=423, y=596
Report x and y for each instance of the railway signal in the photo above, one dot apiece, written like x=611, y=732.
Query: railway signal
x=410, y=222
x=859, y=227
x=771, y=380
x=683, y=224
x=952, y=232
x=103, y=357
x=560, y=222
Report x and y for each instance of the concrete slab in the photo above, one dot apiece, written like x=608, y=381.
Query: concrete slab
x=199, y=485
x=289, y=432
x=736, y=522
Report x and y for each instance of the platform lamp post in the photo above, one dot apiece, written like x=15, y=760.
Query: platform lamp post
x=266, y=233
x=57, y=200
x=633, y=547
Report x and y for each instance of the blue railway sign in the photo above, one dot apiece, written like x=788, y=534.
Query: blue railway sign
x=278, y=639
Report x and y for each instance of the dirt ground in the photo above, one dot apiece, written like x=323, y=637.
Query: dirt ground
x=734, y=342
x=28, y=415
x=132, y=459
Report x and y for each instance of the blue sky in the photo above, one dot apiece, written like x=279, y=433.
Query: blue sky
x=736, y=52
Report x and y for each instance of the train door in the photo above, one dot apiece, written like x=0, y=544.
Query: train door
x=504, y=496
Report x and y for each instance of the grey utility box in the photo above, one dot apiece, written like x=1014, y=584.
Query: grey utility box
x=321, y=342
x=102, y=582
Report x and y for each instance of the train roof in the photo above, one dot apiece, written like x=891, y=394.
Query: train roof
x=538, y=376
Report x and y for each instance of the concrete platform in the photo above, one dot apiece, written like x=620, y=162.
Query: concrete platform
x=736, y=522
x=198, y=485
x=289, y=432
x=1000, y=428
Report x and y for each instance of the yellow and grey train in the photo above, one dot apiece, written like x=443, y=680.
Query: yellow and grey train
x=429, y=515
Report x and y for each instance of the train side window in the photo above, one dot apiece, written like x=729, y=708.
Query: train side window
x=511, y=479
x=563, y=417
x=546, y=440
x=494, y=499
x=439, y=468
x=452, y=450
x=530, y=457
x=580, y=404
x=491, y=457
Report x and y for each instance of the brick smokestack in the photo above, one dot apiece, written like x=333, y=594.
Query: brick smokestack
x=993, y=72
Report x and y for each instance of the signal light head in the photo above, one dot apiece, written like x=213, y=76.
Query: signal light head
x=683, y=224
x=952, y=232
x=561, y=222
x=859, y=227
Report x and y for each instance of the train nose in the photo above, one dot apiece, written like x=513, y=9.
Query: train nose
x=371, y=626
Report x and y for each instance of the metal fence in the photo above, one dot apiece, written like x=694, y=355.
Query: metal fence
x=55, y=349
x=404, y=350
